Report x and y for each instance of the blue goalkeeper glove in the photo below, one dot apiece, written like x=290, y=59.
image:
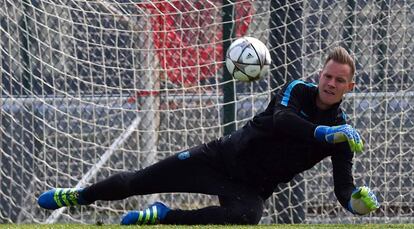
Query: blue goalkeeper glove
x=337, y=134
x=363, y=201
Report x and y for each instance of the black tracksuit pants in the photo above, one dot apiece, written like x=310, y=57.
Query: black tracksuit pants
x=191, y=172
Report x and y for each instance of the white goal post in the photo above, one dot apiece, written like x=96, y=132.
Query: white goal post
x=92, y=88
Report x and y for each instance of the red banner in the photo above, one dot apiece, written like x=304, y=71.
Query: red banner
x=188, y=36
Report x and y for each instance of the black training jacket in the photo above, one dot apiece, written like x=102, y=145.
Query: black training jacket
x=279, y=143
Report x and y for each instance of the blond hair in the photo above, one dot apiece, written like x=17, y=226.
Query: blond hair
x=340, y=55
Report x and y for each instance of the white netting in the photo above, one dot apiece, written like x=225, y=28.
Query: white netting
x=91, y=88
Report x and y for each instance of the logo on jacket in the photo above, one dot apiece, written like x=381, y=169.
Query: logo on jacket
x=184, y=155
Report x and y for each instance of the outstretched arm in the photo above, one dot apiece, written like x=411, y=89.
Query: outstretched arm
x=342, y=173
x=295, y=126
x=357, y=200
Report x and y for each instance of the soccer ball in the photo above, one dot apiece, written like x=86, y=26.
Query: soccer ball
x=248, y=59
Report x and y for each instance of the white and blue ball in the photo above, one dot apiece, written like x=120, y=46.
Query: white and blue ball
x=248, y=59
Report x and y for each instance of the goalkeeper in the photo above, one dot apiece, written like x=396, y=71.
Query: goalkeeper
x=302, y=125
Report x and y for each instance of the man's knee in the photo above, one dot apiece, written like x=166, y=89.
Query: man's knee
x=247, y=212
x=245, y=216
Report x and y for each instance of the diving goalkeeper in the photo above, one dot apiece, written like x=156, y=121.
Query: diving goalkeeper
x=302, y=125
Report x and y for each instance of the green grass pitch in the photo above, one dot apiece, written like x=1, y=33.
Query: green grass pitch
x=273, y=226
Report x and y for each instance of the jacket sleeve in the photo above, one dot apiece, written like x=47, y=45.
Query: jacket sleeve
x=342, y=173
x=288, y=104
x=290, y=123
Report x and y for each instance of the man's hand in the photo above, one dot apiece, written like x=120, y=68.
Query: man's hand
x=363, y=201
x=337, y=134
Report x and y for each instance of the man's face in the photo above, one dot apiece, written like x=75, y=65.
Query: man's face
x=335, y=80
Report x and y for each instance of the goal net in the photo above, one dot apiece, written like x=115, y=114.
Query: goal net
x=92, y=88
